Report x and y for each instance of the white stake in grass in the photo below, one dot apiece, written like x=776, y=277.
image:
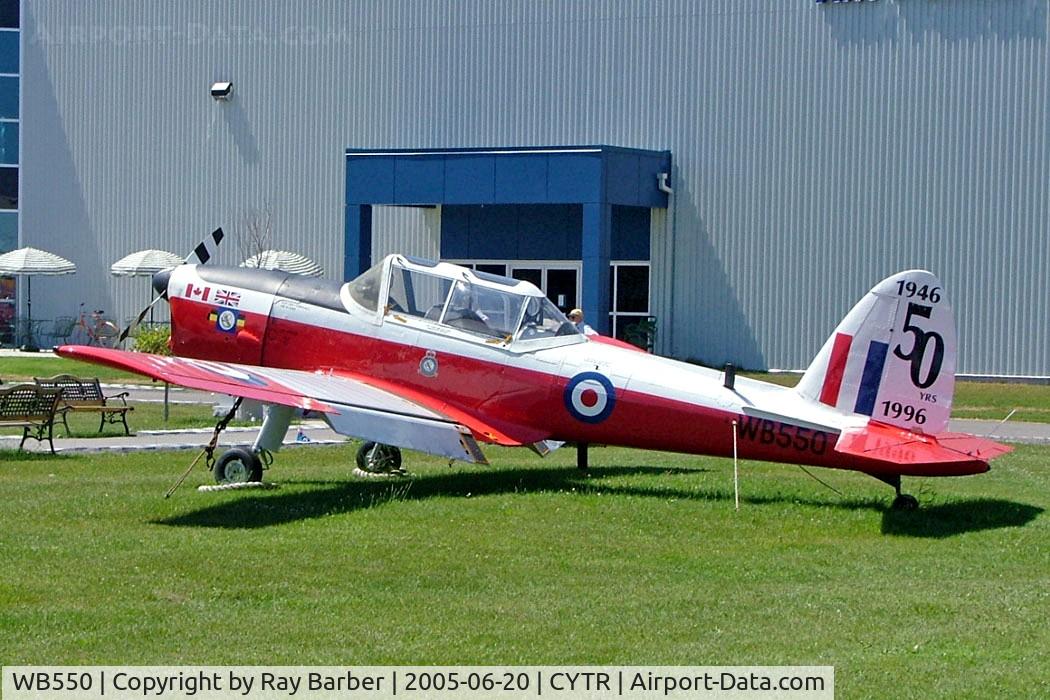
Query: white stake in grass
x=736, y=472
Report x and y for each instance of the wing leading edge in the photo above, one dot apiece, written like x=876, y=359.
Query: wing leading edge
x=350, y=406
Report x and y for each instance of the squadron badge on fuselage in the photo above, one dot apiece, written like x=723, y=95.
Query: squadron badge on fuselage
x=428, y=366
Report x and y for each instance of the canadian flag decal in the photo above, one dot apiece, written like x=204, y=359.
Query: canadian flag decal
x=197, y=292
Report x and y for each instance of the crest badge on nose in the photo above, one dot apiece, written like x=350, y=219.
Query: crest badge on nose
x=226, y=320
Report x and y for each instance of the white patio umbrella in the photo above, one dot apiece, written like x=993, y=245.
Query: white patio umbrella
x=285, y=262
x=27, y=262
x=145, y=263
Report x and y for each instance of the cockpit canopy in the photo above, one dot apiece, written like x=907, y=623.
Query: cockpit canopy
x=455, y=297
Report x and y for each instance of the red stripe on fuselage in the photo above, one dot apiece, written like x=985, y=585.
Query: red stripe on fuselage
x=195, y=334
x=829, y=393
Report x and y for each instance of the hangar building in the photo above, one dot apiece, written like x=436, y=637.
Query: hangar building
x=738, y=171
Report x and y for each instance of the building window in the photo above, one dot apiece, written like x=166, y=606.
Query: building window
x=8, y=97
x=9, y=14
x=8, y=52
x=629, y=318
x=8, y=188
x=8, y=231
x=558, y=279
x=8, y=143
x=10, y=20
x=8, y=241
x=491, y=268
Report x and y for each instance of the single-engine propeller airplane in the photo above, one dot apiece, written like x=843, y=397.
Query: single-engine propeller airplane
x=434, y=357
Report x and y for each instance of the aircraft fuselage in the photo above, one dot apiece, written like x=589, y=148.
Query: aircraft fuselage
x=576, y=389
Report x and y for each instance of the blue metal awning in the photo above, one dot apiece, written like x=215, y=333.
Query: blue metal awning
x=540, y=175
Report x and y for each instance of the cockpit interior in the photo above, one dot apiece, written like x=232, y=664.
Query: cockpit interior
x=445, y=296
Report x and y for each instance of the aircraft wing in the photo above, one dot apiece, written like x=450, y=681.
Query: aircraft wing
x=489, y=428
x=352, y=407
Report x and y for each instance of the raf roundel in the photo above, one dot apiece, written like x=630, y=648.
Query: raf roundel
x=590, y=397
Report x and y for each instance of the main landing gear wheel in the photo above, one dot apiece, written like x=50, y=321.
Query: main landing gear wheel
x=238, y=465
x=376, y=459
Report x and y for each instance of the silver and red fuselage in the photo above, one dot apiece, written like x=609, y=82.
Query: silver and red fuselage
x=575, y=389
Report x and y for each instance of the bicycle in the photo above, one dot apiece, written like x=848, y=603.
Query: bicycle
x=94, y=329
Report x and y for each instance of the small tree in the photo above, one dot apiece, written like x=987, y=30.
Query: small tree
x=255, y=233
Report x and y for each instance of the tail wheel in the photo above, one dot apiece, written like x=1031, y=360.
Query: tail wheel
x=375, y=458
x=905, y=501
x=238, y=465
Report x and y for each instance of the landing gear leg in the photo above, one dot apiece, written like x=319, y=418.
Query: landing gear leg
x=903, y=501
x=581, y=456
x=238, y=464
x=209, y=449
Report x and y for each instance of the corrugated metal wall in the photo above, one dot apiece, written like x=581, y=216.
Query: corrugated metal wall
x=817, y=147
x=411, y=230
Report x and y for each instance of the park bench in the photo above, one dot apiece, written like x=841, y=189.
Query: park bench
x=85, y=395
x=31, y=408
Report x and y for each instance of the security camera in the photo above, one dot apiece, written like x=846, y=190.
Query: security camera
x=222, y=90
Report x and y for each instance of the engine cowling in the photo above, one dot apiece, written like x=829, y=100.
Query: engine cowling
x=219, y=313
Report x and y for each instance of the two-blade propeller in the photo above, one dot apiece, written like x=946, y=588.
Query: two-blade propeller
x=201, y=254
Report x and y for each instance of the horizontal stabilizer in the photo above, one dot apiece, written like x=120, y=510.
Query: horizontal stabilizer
x=944, y=454
x=981, y=448
x=800, y=418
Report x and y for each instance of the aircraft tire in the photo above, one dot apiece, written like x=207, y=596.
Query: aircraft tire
x=386, y=459
x=237, y=465
x=905, y=502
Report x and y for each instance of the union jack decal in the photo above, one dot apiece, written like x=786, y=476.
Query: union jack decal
x=227, y=298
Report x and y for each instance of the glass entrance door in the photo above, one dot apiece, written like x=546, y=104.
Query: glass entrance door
x=561, y=288
x=629, y=304
x=528, y=274
x=559, y=281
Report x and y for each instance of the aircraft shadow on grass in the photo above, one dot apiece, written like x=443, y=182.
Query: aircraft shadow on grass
x=949, y=519
x=263, y=510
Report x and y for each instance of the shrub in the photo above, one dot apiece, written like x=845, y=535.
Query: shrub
x=153, y=340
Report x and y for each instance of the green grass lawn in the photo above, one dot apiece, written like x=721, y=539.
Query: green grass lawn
x=145, y=416
x=530, y=562
x=18, y=368
x=975, y=400
x=995, y=400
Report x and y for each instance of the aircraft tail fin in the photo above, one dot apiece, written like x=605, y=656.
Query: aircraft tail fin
x=892, y=358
